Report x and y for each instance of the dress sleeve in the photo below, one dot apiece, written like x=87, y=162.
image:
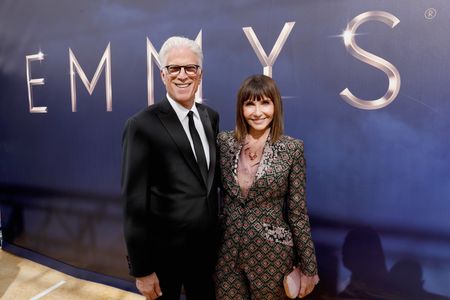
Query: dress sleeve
x=297, y=212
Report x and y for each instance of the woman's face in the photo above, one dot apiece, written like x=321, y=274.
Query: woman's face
x=258, y=114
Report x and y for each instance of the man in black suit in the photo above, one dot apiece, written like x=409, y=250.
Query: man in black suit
x=169, y=183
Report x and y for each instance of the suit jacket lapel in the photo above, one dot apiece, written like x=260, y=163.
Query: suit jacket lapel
x=173, y=125
x=230, y=166
x=206, y=121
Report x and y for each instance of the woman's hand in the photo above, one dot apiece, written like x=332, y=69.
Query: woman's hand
x=307, y=284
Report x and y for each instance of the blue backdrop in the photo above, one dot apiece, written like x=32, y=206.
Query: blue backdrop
x=381, y=173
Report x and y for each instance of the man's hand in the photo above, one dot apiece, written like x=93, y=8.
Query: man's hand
x=307, y=284
x=149, y=286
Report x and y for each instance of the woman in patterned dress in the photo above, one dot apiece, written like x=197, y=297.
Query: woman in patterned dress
x=264, y=217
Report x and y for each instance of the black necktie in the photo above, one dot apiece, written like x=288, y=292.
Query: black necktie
x=198, y=147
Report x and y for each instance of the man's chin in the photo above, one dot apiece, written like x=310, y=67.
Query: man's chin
x=185, y=100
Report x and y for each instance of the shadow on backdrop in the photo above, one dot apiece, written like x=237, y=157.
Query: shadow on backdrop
x=406, y=278
x=364, y=257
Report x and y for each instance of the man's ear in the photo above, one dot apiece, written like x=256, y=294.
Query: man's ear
x=163, y=76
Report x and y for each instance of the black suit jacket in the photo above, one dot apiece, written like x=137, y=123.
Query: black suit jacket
x=167, y=203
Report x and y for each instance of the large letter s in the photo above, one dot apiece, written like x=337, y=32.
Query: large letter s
x=371, y=59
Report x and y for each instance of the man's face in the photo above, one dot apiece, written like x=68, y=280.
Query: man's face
x=182, y=87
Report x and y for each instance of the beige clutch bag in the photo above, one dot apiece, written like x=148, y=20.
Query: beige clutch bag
x=291, y=283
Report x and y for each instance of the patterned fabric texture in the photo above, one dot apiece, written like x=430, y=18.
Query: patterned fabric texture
x=259, y=244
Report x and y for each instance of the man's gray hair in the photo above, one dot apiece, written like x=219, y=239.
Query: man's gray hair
x=179, y=42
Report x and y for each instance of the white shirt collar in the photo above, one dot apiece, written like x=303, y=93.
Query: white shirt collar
x=180, y=110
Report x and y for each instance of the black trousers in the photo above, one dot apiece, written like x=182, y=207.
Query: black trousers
x=191, y=266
